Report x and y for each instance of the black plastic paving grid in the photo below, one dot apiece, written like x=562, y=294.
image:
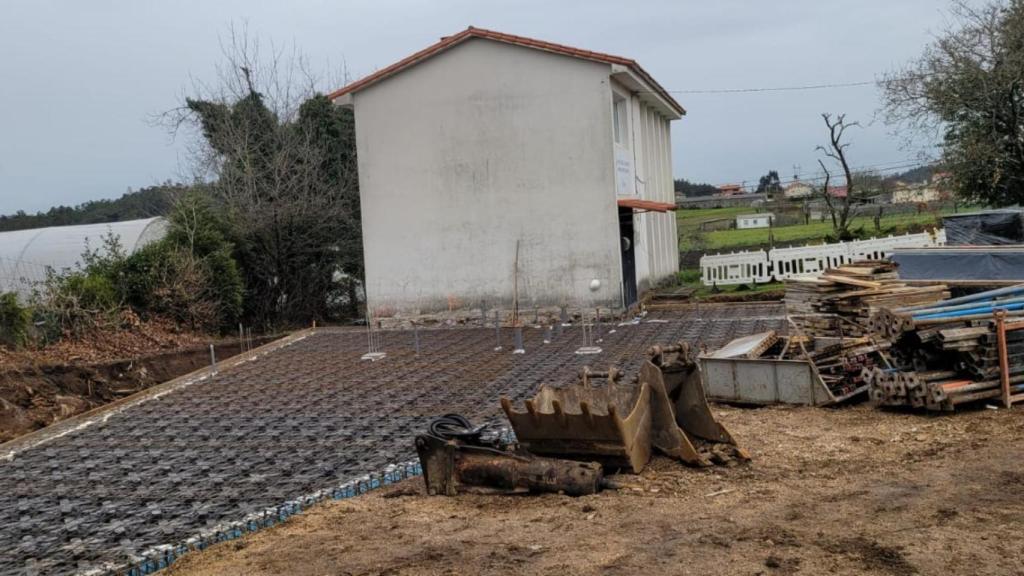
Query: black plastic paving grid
x=303, y=418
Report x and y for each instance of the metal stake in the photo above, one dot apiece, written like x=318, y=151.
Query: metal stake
x=497, y=331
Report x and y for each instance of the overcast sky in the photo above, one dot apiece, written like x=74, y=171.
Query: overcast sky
x=79, y=80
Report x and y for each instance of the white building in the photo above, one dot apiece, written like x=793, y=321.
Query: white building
x=486, y=149
x=754, y=220
x=916, y=194
x=798, y=189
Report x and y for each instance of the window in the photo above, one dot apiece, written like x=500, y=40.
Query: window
x=619, y=126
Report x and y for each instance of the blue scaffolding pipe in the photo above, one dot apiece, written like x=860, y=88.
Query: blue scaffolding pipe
x=980, y=296
x=978, y=310
x=943, y=308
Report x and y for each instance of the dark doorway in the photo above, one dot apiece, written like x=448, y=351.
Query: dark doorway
x=626, y=244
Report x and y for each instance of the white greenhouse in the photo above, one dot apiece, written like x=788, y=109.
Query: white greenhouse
x=25, y=255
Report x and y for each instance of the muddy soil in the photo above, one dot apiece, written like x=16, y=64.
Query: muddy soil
x=830, y=491
x=32, y=397
x=768, y=296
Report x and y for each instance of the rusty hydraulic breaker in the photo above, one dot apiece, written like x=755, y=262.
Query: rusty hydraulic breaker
x=456, y=459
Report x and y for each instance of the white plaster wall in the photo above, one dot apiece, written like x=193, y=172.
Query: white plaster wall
x=473, y=149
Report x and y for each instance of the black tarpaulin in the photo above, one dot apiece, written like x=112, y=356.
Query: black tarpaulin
x=995, y=227
x=981, y=263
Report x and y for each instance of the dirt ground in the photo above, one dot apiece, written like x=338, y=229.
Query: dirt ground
x=830, y=491
x=34, y=395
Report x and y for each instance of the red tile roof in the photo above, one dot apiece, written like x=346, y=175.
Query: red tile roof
x=471, y=32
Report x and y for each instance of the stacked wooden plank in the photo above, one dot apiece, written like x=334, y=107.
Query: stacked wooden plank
x=838, y=306
x=842, y=365
x=843, y=300
x=945, y=354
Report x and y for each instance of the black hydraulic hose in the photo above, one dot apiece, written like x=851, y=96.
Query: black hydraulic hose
x=456, y=427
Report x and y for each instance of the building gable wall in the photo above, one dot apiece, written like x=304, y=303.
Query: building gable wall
x=469, y=152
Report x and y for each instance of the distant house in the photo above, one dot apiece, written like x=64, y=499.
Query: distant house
x=935, y=189
x=495, y=167
x=837, y=191
x=730, y=190
x=797, y=190
x=916, y=194
x=754, y=220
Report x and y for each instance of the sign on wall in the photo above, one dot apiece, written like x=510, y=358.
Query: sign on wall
x=624, y=179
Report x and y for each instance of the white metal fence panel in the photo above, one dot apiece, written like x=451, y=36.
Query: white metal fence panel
x=735, y=268
x=782, y=263
x=800, y=261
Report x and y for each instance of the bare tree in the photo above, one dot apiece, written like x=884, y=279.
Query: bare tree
x=839, y=208
x=280, y=158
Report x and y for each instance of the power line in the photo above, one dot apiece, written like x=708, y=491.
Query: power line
x=880, y=172
x=891, y=166
x=774, y=88
x=861, y=168
x=750, y=188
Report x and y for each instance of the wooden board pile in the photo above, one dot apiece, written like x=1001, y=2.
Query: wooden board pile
x=946, y=355
x=842, y=301
x=843, y=365
x=838, y=307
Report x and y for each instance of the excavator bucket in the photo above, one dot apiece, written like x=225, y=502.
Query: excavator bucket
x=619, y=425
x=673, y=375
x=610, y=425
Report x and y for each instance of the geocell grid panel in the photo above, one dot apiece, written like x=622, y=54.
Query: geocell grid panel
x=306, y=417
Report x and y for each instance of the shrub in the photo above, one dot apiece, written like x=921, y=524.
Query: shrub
x=690, y=275
x=72, y=302
x=94, y=293
x=15, y=321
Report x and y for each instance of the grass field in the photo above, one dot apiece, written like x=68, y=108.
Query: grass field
x=690, y=221
x=691, y=277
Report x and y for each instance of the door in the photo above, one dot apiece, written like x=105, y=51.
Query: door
x=628, y=256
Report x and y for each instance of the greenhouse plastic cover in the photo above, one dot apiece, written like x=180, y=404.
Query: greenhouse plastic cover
x=994, y=227
x=25, y=255
x=999, y=263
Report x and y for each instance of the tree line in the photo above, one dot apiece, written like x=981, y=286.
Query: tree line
x=144, y=203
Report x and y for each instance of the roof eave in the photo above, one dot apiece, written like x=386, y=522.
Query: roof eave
x=636, y=79
x=673, y=108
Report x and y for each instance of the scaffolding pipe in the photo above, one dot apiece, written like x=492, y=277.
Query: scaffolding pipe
x=988, y=309
x=980, y=296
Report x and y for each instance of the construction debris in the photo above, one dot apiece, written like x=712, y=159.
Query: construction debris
x=948, y=353
x=908, y=345
x=752, y=346
x=832, y=316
